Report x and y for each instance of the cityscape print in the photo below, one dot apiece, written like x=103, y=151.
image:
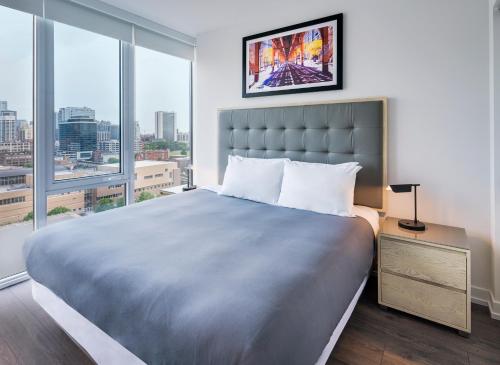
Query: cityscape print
x=292, y=60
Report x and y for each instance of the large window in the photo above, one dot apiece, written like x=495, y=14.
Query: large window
x=95, y=114
x=16, y=137
x=162, y=145
x=87, y=103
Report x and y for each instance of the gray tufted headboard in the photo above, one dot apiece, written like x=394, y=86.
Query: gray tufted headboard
x=332, y=132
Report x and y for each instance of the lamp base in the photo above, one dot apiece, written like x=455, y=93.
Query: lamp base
x=188, y=188
x=411, y=225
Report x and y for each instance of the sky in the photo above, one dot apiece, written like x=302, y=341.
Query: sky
x=16, y=61
x=86, y=73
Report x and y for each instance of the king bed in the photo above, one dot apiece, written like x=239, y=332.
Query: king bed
x=202, y=278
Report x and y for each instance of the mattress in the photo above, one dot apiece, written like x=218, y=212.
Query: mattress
x=201, y=278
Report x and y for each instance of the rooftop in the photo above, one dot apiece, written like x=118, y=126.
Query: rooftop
x=7, y=171
x=16, y=187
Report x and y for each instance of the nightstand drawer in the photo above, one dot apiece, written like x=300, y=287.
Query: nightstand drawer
x=429, y=301
x=424, y=262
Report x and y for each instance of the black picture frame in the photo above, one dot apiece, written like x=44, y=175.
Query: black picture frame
x=300, y=88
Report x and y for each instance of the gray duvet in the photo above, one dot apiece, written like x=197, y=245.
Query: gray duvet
x=198, y=278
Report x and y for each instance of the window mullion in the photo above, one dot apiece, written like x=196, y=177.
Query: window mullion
x=43, y=106
x=127, y=108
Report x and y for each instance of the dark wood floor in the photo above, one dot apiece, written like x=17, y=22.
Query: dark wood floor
x=373, y=336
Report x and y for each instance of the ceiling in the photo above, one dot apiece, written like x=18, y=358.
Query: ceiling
x=194, y=17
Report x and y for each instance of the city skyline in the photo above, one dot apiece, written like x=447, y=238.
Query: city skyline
x=57, y=118
x=162, y=78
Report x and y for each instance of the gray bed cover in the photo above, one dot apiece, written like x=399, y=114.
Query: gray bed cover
x=198, y=278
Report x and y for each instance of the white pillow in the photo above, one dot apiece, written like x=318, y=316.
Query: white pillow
x=321, y=188
x=255, y=179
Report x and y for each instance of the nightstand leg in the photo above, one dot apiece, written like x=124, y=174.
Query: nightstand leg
x=463, y=334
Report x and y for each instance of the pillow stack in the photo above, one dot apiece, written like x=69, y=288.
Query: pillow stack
x=321, y=188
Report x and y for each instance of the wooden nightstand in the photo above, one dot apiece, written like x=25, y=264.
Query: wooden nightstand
x=426, y=273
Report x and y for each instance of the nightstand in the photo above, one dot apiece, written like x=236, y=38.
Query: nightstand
x=426, y=274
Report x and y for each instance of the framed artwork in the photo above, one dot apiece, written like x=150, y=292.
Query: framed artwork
x=300, y=58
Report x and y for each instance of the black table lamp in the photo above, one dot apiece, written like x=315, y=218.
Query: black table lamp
x=190, y=185
x=415, y=224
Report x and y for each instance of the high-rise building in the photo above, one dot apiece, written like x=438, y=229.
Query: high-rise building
x=77, y=135
x=17, y=146
x=16, y=153
x=110, y=145
x=56, y=128
x=165, y=126
x=137, y=131
x=72, y=112
x=115, y=131
x=182, y=136
x=138, y=145
x=103, y=131
x=3, y=105
x=7, y=125
x=25, y=131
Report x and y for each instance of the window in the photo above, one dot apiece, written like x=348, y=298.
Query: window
x=87, y=103
x=12, y=180
x=162, y=134
x=16, y=137
x=91, y=154
x=14, y=200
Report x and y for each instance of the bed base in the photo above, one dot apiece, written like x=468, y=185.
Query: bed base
x=103, y=349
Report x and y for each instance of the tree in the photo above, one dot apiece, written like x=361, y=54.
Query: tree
x=164, y=145
x=105, y=201
x=145, y=195
x=120, y=202
x=58, y=210
x=55, y=211
x=156, y=145
x=104, y=204
x=184, y=152
x=113, y=160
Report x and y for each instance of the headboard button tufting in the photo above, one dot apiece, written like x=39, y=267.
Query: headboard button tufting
x=317, y=139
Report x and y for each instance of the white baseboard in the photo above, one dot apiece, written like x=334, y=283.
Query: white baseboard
x=485, y=297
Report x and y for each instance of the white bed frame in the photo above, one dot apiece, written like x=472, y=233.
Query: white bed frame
x=103, y=349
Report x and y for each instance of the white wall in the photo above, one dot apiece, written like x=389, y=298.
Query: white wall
x=429, y=57
x=495, y=153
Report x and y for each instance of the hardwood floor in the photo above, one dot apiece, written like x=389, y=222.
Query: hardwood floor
x=389, y=337
x=29, y=336
x=373, y=336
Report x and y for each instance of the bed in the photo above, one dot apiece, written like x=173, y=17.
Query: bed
x=199, y=278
